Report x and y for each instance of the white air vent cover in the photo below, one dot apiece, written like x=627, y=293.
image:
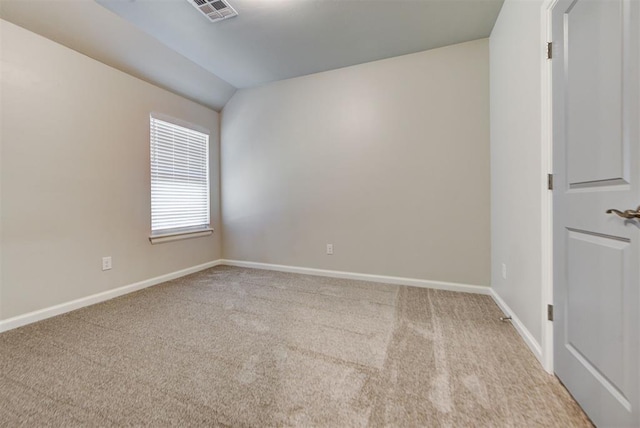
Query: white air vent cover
x=214, y=10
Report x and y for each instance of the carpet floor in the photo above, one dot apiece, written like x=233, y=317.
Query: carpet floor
x=244, y=347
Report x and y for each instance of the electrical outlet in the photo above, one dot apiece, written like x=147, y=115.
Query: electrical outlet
x=504, y=271
x=329, y=249
x=106, y=263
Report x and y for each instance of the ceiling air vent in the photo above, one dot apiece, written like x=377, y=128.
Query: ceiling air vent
x=214, y=10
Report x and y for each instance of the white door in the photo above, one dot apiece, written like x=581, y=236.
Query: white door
x=596, y=98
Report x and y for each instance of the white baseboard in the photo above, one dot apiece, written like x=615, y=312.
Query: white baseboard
x=62, y=308
x=526, y=335
x=438, y=285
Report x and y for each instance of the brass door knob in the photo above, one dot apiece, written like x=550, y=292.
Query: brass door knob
x=626, y=214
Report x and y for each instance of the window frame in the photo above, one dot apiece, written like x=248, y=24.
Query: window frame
x=178, y=233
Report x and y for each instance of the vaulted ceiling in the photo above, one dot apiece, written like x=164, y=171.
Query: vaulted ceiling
x=169, y=43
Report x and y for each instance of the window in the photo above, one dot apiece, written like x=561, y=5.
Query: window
x=179, y=181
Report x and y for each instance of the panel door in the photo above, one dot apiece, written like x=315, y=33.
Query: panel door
x=596, y=98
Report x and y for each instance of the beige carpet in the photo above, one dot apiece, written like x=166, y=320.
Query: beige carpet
x=242, y=347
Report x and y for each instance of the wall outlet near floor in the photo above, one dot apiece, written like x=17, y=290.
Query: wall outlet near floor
x=329, y=249
x=106, y=263
x=504, y=271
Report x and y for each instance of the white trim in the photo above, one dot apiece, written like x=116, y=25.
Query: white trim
x=177, y=236
x=175, y=121
x=519, y=326
x=546, y=166
x=62, y=308
x=438, y=285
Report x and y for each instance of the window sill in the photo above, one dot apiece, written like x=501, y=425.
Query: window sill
x=177, y=236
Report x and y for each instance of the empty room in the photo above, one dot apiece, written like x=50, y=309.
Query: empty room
x=320, y=213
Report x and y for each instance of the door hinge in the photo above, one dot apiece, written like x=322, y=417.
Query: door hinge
x=549, y=50
x=550, y=181
x=550, y=312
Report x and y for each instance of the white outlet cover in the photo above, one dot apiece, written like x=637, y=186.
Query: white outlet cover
x=106, y=263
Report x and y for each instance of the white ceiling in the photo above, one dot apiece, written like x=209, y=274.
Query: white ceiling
x=169, y=43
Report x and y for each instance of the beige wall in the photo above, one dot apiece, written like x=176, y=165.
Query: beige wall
x=388, y=161
x=75, y=176
x=516, y=178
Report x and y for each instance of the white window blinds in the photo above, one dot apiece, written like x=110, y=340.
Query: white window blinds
x=179, y=178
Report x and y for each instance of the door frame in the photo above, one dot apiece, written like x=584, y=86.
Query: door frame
x=546, y=198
